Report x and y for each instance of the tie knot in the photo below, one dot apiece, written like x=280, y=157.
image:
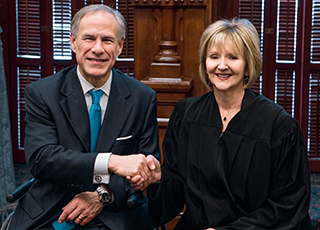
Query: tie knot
x=96, y=95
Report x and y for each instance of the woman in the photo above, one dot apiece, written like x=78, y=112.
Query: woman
x=232, y=158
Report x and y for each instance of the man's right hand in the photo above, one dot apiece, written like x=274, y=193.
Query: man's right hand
x=130, y=165
x=154, y=174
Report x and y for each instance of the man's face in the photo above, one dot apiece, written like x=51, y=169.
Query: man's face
x=96, y=46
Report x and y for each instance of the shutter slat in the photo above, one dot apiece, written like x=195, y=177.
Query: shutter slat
x=314, y=114
x=286, y=33
x=28, y=28
x=285, y=89
x=252, y=10
x=61, y=30
x=27, y=75
x=315, y=32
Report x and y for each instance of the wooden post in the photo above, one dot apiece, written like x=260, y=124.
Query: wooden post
x=166, y=41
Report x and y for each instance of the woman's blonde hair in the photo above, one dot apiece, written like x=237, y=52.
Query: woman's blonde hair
x=243, y=35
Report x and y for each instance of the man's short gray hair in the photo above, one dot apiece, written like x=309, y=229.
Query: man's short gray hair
x=98, y=7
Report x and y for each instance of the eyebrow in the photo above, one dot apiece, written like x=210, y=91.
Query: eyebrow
x=88, y=35
x=103, y=38
x=108, y=37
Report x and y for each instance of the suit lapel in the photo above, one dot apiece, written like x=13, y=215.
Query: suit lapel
x=117, y=113
x=74, y=107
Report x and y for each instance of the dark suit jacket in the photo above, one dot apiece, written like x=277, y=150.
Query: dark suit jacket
x=57, y=146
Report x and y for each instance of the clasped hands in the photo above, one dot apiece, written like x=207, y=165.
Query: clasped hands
x=139, y=170
x=146, y=171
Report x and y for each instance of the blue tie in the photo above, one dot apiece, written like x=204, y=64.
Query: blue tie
x=95, y=118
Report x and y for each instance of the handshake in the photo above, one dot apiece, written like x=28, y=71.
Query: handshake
x=140, y=170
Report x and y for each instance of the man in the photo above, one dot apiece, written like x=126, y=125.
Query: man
x=75, y=187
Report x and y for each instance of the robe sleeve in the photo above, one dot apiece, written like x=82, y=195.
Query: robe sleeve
x=288, y=201
x=166, y=199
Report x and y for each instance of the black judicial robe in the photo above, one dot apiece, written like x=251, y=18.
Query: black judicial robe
x=254, y=175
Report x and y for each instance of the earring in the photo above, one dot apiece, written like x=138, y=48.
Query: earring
x=208, y=81
x=246, y=79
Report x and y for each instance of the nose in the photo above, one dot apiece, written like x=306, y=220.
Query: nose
x=223, y=65
x=97, y=47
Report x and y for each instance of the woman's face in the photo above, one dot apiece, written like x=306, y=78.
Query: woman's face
x=226, y=68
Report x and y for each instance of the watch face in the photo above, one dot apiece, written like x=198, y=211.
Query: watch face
x=104, y=195
x=105, y=198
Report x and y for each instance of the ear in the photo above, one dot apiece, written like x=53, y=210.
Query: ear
x=246, y=72
x=120, y=46
x=72, y=43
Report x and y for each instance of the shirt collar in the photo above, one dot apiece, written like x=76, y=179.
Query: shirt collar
x=86, y=86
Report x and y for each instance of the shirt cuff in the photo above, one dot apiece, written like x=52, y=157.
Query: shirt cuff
x=101, y=173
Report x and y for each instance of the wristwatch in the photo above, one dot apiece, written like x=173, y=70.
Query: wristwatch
x=105, y=196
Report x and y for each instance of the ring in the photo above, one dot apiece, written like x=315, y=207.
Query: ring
x=80, y=218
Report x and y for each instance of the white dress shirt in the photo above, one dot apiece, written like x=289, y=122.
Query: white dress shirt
x=100, y=173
